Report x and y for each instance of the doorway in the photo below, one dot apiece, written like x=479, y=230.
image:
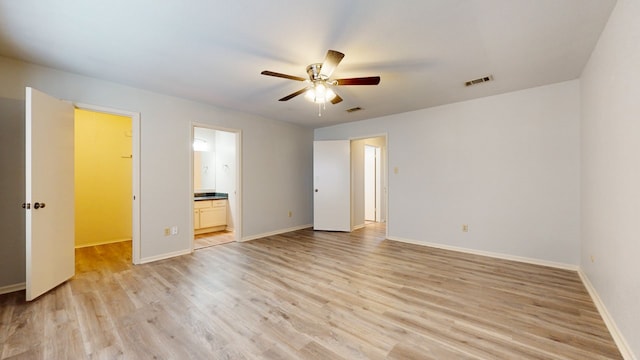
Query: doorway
x=49, y=177
x=107, y=173
x=216, y=184
x=368, y=181
x=103, y=178
x=339, y=183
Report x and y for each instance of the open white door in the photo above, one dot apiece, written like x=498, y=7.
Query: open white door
x=50, y=254
x=332, y=185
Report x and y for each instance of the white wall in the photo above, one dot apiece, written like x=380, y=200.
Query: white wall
x=277, y=156
x=507, y=165
x=226, y=171
x=610, y=93
x=370, y=181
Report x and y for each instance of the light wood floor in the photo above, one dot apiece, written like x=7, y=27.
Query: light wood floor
x=307, y=295
x=211, y=239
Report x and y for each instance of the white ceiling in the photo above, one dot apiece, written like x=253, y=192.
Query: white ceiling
x=213, y=51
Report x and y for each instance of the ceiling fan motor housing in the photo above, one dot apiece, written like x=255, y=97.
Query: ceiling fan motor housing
x=314, y=72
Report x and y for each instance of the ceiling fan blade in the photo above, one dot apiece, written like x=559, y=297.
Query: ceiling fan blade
x=330, y=63
x=290, y=77
x=336, y=99
x=292, y=95
x=371, y=80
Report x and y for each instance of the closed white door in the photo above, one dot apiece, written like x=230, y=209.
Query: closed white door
x=49, y=206
x=332, y=185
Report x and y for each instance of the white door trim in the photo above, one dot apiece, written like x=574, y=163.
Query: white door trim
x=135, y=174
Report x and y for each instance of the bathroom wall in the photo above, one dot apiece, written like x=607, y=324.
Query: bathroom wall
x=226, y=168
x=204, y=160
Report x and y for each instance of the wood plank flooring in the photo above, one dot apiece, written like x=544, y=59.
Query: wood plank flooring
x=211, y=239
x=307, y=295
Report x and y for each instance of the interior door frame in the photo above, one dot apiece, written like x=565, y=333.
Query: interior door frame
x=237, y=222
x=384, y=153
x=135, y=171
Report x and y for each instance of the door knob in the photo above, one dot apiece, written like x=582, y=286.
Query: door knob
x=316, y=190
x=38, y=205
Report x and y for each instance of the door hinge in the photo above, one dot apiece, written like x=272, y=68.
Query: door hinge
x=26, y=206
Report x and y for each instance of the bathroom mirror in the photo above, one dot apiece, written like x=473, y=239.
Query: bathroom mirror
x=204, y=160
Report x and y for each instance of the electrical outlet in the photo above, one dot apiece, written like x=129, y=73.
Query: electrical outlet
x=174, y=230
x=167, y=231
x=290, y=213
x=465, y=228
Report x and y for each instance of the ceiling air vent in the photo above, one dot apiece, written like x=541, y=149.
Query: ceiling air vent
x=479, y=80
x=354, y=109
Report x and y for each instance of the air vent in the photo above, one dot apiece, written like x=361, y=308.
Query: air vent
x=479, y=80
x=357, y=108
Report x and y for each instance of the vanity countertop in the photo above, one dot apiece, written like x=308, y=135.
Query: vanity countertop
x=210, y=196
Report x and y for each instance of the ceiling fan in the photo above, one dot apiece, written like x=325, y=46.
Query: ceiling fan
x=319, y=89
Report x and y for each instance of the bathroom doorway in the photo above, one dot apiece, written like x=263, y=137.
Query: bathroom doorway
x=216, y=178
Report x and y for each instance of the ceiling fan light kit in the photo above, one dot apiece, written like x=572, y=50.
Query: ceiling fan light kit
x=319, y=93
x=319, y=90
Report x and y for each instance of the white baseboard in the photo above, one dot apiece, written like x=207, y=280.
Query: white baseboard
x=624, y=348
x=356, y=227
x=490, y=254
x=276, y=232
x=164, y=256
x=101, y=243
x=12, y=288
